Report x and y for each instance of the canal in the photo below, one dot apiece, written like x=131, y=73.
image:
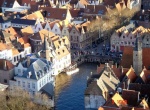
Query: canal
x=69, y=90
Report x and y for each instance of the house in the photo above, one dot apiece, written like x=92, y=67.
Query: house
x=6, y=71
x=79, y=36
x=22, y=23
x=128, y=100
x=145, y=5
x=63, y=55
x=37, y=15
x=95, y=10
x=32, y=74
x=98, y=86
x=137, y=56
x=5, y=21
x=142, y=18
x=38, y=38
x=13, y=5
x=126, y=36
x=49, y=13
x=81, y=4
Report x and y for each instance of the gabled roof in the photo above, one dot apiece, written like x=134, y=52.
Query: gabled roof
x=6, y=65
x=36, y=68
x=24, y=21
x=127, y=58
x=131, y=74
x=142, y=88
x=40, y=35
x=34, y=16
x=95, y=9
x=51, y=13
x=27, y=31
x=131, y=96
x=108, y=80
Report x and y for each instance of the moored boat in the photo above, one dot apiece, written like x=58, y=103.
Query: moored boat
x=72, y=71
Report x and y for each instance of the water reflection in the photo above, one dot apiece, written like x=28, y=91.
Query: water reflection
x=69, y=90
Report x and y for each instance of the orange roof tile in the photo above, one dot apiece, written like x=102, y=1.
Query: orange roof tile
x=131, y=74
x=15, y=52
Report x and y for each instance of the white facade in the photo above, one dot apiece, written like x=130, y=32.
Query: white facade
x=62, y=63
x=5, y=25
x=56, y=29
x=6, y=54
x=47, y=26
x=38, y=27
x=31, y=85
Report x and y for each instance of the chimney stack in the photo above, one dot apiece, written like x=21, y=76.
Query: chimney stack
x=5, y=65
x=121, y=70
x=60, y=42
x=28, y=61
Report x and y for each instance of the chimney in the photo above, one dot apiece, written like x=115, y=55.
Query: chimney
x=4, y=65
x=121, y=70
x=116, y=65
x=28, y=61
x=29, y=74
x=63, y=40
x=59, y=42
x=94, y=7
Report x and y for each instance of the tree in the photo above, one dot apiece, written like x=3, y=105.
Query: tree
x=107, y=24
x=18, y=100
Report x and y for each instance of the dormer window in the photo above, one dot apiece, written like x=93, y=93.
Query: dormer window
x=63, y=15
x=48, y=14
x=63, y=51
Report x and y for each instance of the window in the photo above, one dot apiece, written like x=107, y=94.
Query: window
x=128, y=42
x=28, y=85
x=18, y=83
x=14, y=59
x=23, y=84
x=123, y=36
x=5, y=80
x=55, y=30
x=130, y=37
x=19, y=70
x=147, y=39
x=133, y=43
x=40, y=84
x=33, y=85
x=48, y=14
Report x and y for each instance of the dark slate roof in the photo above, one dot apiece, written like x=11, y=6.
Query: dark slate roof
x=36, y=68
x=24, y=21
x=48, y=89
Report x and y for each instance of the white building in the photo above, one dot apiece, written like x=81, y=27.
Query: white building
x=33, y=74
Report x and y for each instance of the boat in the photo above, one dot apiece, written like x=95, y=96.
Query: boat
x=72, y=71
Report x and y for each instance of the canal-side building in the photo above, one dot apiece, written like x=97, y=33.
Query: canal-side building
x=58, y=52
x=126, y=36
x=6, y=71
x=100, y=88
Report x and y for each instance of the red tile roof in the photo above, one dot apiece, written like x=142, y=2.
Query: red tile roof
x=8, y=64
x=127, y=58
x=52, y=13
x=131, y=74
x=131, y=96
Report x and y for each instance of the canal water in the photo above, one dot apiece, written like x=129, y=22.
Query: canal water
x=69, y=90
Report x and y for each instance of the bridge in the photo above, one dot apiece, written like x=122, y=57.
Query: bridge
x=95, y=59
